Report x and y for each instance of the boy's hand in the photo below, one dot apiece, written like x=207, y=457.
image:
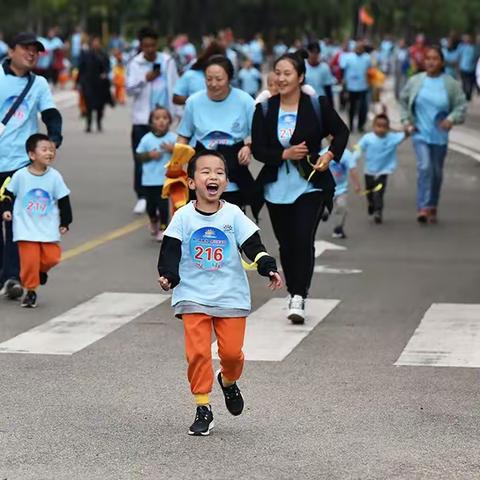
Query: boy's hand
x=165, y=283
x=154, y=154
x=7, y=216
x=276, y=281
x=63, y=230
x=168, y=147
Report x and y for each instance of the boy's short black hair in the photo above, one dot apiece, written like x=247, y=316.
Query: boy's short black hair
x=192, y=164
x=381, y=116
x=147, y=32
x=33, y=141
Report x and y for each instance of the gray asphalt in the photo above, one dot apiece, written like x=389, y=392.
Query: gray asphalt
x=335, y=408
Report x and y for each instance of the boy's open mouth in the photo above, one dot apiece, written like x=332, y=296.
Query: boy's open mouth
x=212, y=188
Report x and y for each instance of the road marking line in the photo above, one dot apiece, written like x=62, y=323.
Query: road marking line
x=448, y=336
x=340, y=271
x=107, y=237
x=464, y=150
x=84, y=324
x=270, y=336
x=322, y=246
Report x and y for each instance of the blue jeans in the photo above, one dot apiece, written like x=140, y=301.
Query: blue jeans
x=430, y=160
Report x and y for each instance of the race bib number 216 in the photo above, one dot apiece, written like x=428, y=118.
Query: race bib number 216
x=209, y=248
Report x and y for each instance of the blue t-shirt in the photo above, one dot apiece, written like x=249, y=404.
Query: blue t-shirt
x=211, y=272
x=451, y=60
x=431, y=107
x=289, y=184
x=250, y=80
x=35, y=213
x=213, y=123
x=24, y=122
x=340, y=170
x=380, y=152
x=192, y=81
x=256, y=52
x=356, y=68
x=159, y=88
x=467, y=57
x=153, y=171
x=318, y=77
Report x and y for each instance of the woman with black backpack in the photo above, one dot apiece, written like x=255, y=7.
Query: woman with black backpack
x=287, y=133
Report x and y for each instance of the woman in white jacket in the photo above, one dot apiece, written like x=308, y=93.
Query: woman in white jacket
x=151, y=77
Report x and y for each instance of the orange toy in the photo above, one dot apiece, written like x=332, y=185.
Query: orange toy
x=118, y=72
x=176, y=186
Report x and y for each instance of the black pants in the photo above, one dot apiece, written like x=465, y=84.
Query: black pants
x=375, y=199
x=157, y=207
x=138, y=131
x=358, y=105
x=89, y=118
x=295, y=226
x=468, y=82
x=9, y=259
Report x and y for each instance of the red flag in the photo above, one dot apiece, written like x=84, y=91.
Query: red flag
x=365, y=17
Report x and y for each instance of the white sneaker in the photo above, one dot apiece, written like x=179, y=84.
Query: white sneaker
x=140, y=207
x=296, y=310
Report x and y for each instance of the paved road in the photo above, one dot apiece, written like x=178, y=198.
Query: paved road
x=335, y=408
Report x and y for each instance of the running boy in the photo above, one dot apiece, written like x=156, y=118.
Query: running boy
x=200, y=260
x=154, y=152
x=347, y=166
x=380, y=150
x=41, y=214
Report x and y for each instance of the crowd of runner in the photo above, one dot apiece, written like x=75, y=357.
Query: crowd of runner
x=233, y=101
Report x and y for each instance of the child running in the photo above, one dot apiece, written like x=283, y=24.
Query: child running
x=341, y=171
x=380, y=149
x=200, y=260
x=154, y=152
x=41, y=214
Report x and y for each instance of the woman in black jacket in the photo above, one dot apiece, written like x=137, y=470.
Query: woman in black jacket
x=287, y=133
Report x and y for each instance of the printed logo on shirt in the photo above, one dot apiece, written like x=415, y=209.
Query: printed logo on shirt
x=21, y=113
x=286, y=126
x=209, y=248
x=214, y=139
x=227, y=228
x=236, y=126
x=37, y=203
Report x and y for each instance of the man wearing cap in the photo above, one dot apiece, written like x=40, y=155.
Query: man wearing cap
x=15, y=74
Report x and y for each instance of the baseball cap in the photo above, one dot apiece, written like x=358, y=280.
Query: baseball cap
x=27, y=38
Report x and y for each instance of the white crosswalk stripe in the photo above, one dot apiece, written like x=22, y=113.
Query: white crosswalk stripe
x=448, y=336
x=83, y=325
x=271, y=337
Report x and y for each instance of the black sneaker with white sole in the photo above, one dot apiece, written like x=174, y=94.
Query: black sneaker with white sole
x=13, y=289
x=203, y=421
x=233, y=396
x=29, y=300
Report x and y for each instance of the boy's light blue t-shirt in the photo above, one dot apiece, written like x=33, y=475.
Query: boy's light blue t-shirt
x=211, y=273
x=153, y=172
x=356, y=68
x=431, y=107
x=290, y=185
x=250, y=79
x=24, y=122
x=380, y=152
x=192, y=81
x=35, y=213
x=318, y=77
x=340, y=170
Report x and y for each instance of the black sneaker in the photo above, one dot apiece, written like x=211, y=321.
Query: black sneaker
x=30, y=300
x=13, y=289
x=233, y=396
x=338, y=232
x=377, y=217
x=43, y=278
x=203, y=421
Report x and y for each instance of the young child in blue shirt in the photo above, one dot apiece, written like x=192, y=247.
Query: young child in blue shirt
x=41, y=214
x=343, y=170
x=380, y=150
x=200, y=261
x=154, y=152
x=249, y=78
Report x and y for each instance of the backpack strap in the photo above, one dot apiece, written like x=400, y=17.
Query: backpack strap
x=19, y=100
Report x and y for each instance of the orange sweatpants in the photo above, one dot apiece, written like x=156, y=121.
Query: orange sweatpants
x=36, y=257
x=230, y=333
